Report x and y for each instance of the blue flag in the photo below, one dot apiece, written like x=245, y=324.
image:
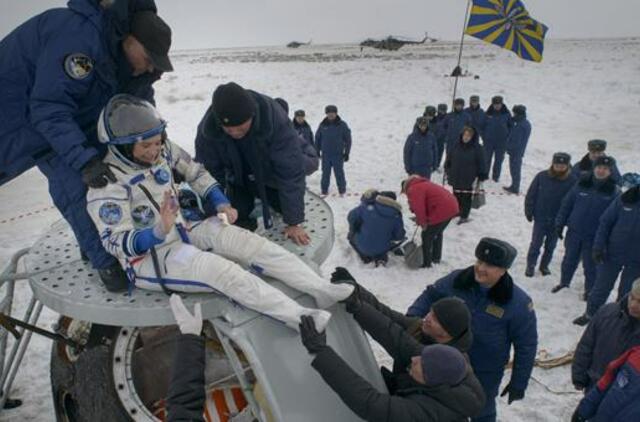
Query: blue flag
x=506, y=23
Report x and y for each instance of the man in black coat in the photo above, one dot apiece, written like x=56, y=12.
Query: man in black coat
x=247, y=142
x=614, y=329
x=439, y=386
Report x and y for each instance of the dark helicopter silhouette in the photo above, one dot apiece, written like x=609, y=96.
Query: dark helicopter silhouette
x=296, y=44
x=392, y=43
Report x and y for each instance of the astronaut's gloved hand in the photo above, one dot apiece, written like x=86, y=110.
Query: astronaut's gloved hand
x=188, y=324
x=96, y=174
x=228, y=213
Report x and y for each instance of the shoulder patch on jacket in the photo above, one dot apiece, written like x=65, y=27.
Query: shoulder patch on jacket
x=494, y=310
x=110, y=213
x=78, y=66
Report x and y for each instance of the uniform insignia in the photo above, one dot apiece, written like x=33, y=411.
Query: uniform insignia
x=494, y=310
x=110, y=213
x=78, y=66
x=162, y=176
x=143, y=216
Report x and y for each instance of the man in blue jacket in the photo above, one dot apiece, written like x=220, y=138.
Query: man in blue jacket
x=597, y=148
x=309, y=153
x=302, y=127
x=616, y=249
x=333, y=142
x=376, y=226
x=440, y=132
x=478, y=115
x=455, y=122
x=496, y=132
x=517, y=145
x=541, y=206
x=421, y=149
x=246, y=141
x=580, y=212
x=501, y=315
x=58, y=71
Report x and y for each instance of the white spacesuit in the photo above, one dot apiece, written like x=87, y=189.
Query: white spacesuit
x=192, y=256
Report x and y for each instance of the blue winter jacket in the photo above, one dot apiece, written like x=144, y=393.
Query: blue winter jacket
x=304, y=130
x=478, y=118
x=518, y=136
x=500, y=317
x=58, y=70
x=453, y=123
x=545, y=195
x=618, y=234
x=440, y=130
x=584, y=204
x=376, y=225
x=333, y=139
x=420, y=152
x=585, y=167
x=497, y=126
x=270, y=156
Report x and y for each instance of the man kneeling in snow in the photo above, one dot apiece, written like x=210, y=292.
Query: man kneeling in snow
x=137, y=216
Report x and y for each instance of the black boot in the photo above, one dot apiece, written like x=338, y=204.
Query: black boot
x=545, y=271
x=114, y=278
x=582, y=320
x=529, y=272
x=558, y=288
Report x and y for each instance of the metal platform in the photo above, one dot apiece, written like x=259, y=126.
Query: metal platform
x=70, y=287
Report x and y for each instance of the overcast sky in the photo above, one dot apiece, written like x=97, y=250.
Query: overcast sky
x=216, y=23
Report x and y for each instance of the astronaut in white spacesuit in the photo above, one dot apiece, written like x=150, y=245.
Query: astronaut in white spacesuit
x=141, y=223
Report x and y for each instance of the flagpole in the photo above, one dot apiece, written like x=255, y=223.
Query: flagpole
x=458, y=71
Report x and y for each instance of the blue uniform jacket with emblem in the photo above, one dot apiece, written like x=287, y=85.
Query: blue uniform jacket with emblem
x=497, y=126
x=126, y=212
x=58, y=70
x=333, y=139
x=618, y=234
x=500, y=317
x=420, y=152
x=518, y=136
x=272, y=157
x=584, y=204
x=545, y=195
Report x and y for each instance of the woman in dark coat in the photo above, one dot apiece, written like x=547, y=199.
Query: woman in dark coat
x=464, y=165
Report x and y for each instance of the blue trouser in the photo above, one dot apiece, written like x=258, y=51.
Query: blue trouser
x=515, y=167
x=543, y=232
x=337, y=163
x=496, y=152
x=490, y=382
x=441, y=144
x=577, y=249
x=69, y=195
x=608, y=273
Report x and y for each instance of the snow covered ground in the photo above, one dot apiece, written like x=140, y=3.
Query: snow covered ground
x=584, y=89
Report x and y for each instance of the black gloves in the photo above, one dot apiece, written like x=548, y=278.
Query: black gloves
x=345, y=157
x=529, y=218
x=598, y=256
x=97, y=174
x=559, y=232
x=342, y=276
x=311, y=338
x=579, y=386
x=514, y=394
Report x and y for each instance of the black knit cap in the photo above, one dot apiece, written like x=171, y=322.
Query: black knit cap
x=597, y=145
x=233, y=105
x=442, y=107
x=604, y=161
x=496, y=252
x=452, y=313
x=458, y=101
x=330, y=109
x=497, y=100
x=561, y=158
x=299, y=113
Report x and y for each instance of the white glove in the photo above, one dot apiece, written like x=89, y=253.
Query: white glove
x=223, y=217
x=188, y=324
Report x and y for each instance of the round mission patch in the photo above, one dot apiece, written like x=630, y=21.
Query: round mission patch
x=78, y=66
x=110, y=213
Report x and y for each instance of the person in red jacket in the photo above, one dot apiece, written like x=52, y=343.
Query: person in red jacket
x=434, y=207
